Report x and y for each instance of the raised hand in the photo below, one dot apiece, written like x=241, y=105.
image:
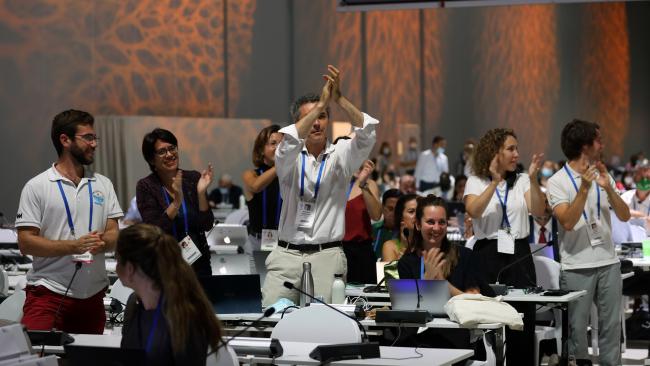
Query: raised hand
x=535, y=166
x=434, y=262
x=603, y=177
x=177, y=187
x=494, y=169
x=325, y=95
x=334, y=78
x=366, y=170
x=205, y=180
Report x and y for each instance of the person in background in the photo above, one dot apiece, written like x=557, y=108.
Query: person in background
x=410, y=157
x=446, y=188
x=499, y=200
x=362, y=206
x=431, y=163
x=226, y=193
x=68, y=210
x=549, y=168
x=175, y=200
x=168, y=315
x=638, y=199
x=404, y=223
x=384, y=230
x=407, y=184
x=543, y=230
x=581, y=195
x=384, y=158
x=314, y=178
x=262, y=193
x=132, y=215
x=459, y=188
x=464, y=165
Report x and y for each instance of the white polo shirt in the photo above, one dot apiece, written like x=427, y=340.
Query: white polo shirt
x=633, y=203
x=488, y=225
x=41, y=206
x=576, y=251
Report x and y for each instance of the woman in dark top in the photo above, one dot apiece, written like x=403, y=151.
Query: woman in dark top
x=173, y=199
x=262, y=192
x=168, y=315
x=431, y=256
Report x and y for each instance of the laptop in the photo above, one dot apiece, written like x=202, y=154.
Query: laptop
x=234, y=294
x=434, y=294
x=230, y=264
x=103, y=356
x=228, y=234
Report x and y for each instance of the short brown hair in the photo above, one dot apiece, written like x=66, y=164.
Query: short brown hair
x=488, y=146
x=66, y=123
x=260, y=142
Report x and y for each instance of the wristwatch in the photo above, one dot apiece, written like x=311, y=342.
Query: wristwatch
x=364, y=185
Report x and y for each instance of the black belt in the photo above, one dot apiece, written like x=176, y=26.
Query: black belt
x=309, y=247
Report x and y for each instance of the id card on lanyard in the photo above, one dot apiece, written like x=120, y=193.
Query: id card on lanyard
x=307, y=208
x=594, y=226
x=505, y=235
x=87, y=257
x=189, y=250
x=269, y=236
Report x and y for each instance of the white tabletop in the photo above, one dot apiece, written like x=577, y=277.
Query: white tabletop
x=640, y=262
x=298, y=353
x=538, y=298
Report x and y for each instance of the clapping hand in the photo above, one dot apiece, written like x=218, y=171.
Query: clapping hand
x=366, y=169
x=535, y=165
x=434, y=262
x=205, y=180
x=334, y=78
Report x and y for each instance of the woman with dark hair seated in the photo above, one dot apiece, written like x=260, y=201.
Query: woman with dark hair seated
x=175, y=200
x=430, y=256
x=168, y=315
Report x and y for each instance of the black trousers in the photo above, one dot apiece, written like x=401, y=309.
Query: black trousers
x=361, y=262
x=520, y=346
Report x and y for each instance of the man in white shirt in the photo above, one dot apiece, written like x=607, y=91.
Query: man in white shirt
x=581, y=194
x=638, y=199
x=67, y=219
x=314, y=179
x=431, y=164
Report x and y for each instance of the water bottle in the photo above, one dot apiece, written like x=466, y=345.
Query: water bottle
x=306, y=284
x=338, y=289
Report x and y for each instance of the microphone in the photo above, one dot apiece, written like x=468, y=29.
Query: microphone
x=500, y=289
x=290, y=286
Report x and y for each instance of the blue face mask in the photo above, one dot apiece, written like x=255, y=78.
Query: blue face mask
x=440, y=150
x=546, y=172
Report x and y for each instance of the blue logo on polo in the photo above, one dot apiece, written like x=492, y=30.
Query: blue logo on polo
x=98, y=198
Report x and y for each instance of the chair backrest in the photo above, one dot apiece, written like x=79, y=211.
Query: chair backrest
x=318, y=324
x=547, y=271
x=4, y=282
x=225, y=357
x=12, y=307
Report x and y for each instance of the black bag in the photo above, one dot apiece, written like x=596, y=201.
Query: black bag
x=638, y=325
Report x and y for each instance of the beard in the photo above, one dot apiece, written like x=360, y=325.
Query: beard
x=79, y=155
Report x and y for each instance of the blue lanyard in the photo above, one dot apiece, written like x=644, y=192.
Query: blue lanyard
x=154, y=325
x=320, y=175
x=376, y=246
x=504, y=207
x=422, y=267
x=278, y=208
x=584, y=214
x=351, y=185
x=185, y=219
x=67, y=207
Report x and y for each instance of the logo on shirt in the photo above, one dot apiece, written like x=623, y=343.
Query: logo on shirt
x=98, y=198
x=19, y=215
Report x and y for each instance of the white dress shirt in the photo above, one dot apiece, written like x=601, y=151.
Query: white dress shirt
x=633, y=203
x=430, y=166
x=343, y=160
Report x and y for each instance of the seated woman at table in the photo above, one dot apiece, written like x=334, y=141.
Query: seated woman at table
x=430, y=256
x=168, y=315
x=393, y=249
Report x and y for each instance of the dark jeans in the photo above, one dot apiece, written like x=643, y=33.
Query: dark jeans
x=425, y=186
x=520, y=345
x=361, y=262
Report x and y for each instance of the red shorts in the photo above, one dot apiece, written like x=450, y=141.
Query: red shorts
x=85, y=316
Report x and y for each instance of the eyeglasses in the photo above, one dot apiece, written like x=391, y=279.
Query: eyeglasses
x=89, y=137
x=172, y=149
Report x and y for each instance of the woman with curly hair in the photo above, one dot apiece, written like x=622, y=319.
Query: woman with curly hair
x=499, y=198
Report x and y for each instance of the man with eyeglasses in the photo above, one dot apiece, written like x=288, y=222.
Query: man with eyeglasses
x=67, y=219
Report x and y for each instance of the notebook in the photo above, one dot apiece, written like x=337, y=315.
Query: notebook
x=433, y=295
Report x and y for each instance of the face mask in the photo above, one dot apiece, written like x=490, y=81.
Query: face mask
x=546, y=172
x=643, y=184
x=629, y=181
x=440, y=150
x=386, y=151
x=413, y=146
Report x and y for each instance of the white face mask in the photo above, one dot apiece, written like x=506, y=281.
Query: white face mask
x=385, y=151
x=629, y=181
x=440, y=150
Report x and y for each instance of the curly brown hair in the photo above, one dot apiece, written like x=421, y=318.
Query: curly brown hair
x=488, y=146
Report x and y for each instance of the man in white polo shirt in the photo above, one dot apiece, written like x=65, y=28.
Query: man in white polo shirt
x=314, y=179
x=581, y=194
x=67, y=219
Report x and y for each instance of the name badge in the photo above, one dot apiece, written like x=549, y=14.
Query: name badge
x=189, y=250
x=595, y=232
x=505, y=242
x=85, y=258
x=269, y=239
x=306, y=215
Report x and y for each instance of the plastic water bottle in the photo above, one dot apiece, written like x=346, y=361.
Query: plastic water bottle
x=338, y=289
x=307, y=284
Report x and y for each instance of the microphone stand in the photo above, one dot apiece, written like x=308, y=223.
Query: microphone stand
x=501, y=289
